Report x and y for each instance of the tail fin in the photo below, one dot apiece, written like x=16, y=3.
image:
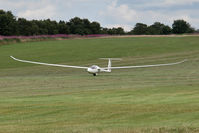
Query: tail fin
x=109, y=62
x=109, y=65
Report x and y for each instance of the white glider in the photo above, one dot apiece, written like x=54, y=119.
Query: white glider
x=94, y=69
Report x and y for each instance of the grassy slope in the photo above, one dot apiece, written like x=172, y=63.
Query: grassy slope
x=37, y=98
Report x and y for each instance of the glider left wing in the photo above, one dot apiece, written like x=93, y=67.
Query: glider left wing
x=47, y=64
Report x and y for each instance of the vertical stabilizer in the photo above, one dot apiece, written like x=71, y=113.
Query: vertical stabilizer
x=109, y=62
x=109, y=65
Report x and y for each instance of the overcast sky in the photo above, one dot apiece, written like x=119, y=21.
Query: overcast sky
x=109, y=13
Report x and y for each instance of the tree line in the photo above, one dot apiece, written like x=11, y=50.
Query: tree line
x=178, y=27
x=10, y=25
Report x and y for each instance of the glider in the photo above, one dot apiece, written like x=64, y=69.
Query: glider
x=94, y=69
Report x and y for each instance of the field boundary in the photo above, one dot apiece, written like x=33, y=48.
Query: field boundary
x=18, y=39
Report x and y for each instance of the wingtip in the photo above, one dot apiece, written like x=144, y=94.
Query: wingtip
x=12, y=57
x=184, y=60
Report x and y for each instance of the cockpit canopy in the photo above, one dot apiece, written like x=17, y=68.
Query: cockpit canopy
x=94, y=67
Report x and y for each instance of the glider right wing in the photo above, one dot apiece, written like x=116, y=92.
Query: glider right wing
x=142, y=66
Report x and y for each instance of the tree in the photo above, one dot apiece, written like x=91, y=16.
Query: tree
x=191, y=30
x=51, y=26
x=26, y=27
x=155, y=29
x=75, y=25
x=159, y=29
x=83, y=26
x=120, y=31
x=140, y=29
x=114, y=31
x=104, y=31
x=7, y=23
x=95, y=28
x=181, y=26
x=42, y=28
x=166, y=30
x=63, y=28
x=87, y=26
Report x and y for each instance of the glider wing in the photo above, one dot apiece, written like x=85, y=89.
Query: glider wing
x=47, y=64
x=142, y=66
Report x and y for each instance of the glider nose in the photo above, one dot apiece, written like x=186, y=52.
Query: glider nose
x=89, y=70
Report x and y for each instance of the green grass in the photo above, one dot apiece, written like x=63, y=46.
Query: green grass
x=36, y=98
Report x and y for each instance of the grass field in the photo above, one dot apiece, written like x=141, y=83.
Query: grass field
x=43, y=99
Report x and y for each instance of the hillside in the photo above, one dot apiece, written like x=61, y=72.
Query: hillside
x=36, y=98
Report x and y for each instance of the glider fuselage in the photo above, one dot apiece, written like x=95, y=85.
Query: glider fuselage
x=96, y=69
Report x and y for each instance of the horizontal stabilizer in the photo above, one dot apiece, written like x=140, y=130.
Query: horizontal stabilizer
x=110, y=58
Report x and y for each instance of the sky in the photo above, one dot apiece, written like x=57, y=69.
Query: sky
x=109, y=13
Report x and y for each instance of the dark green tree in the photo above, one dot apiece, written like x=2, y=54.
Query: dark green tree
x=115, y=31
x=76, y=25
x=51, y=26
x=156, y=29
x=159, y=29
x=34, y=29
x=181, y=26
x=140, y=29
x=112, y=31
x=63, y=28
x=87, y=26
x=120, y=31
x=83, y=26
x=95, y=28
x=7, y=23
x=166, y=30
x=26, y=27
x=104, y=31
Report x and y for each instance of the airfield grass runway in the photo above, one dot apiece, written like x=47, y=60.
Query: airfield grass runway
x=44, y=99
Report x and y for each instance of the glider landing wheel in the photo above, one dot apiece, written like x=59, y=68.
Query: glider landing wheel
x=94, y=74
